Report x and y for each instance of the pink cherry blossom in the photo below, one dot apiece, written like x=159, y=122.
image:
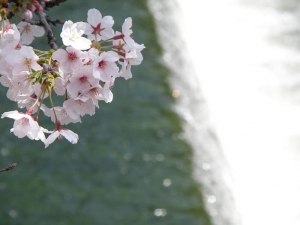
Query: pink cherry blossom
x=90, y=56
x=24, y=124
x=75, y=107
x=27, y=14
x=69, y=59
x=82, y=71
x=99, y=28
x=13, y=88
x=17, y=85
x=94, y=93
x=81, y=79
x=62, y=116
x=132, y=56
x=25, y=86
x=104, y=67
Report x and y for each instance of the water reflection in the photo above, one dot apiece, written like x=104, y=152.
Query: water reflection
x=247, y=59
x=191, y=106
x=244, y=56
x=167, y=182
x=160, y=212
x=13, y=213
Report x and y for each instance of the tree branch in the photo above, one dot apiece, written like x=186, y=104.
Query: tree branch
x=44, y=22
x=53, y=3
x=10, y=167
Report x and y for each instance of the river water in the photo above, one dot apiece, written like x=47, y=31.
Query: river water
x=236, y=66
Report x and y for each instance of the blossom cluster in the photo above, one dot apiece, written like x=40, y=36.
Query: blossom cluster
x=82, y=72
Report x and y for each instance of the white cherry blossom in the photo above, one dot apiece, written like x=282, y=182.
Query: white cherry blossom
x=23, y=60
x=28, y=32
x=24, y=124
x=13, y=88
x=26, y=101
x=126, y=31
x=72, y=35
x=60, y=86
x=40, y=135
x=68, y=134
x=107, y=93
x=9, y=40
x=133, y=56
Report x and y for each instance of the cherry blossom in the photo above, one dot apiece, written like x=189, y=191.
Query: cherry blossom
x=60, y=86
x=23, y=60
x=13, y=88
x=81, y=73
x=40, y=135
x=28, y=14
x=61, y=115
x=26, y=101
x=99, y=28
x=81, y=79
x=90, y=56
x=69, y=59
x=24, y=124
x=126, y=32
x=72, y=35
x=28, y=32
x=79, y=106
x=10, y=39
x=68, y=134
x=104, y=66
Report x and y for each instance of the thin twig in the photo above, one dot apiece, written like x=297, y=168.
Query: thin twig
x=51, y=39
x=53, y=3
x=10, y=167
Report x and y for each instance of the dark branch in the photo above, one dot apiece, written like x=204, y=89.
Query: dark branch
x=53, y=3
x=33, y=22
x=10, y=167
x=54, y=22
x=43, y=19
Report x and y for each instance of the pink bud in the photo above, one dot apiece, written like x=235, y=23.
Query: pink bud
x=28, y=14
x=31, y=7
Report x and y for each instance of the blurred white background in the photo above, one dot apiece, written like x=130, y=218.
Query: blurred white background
x=245, y=66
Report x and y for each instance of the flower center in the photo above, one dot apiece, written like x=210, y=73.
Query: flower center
x=83, y=79
x=27, y=29
x=27, y=62
x=72, y=56
x=97, y=29
x=24, y=121
x=102, y=64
